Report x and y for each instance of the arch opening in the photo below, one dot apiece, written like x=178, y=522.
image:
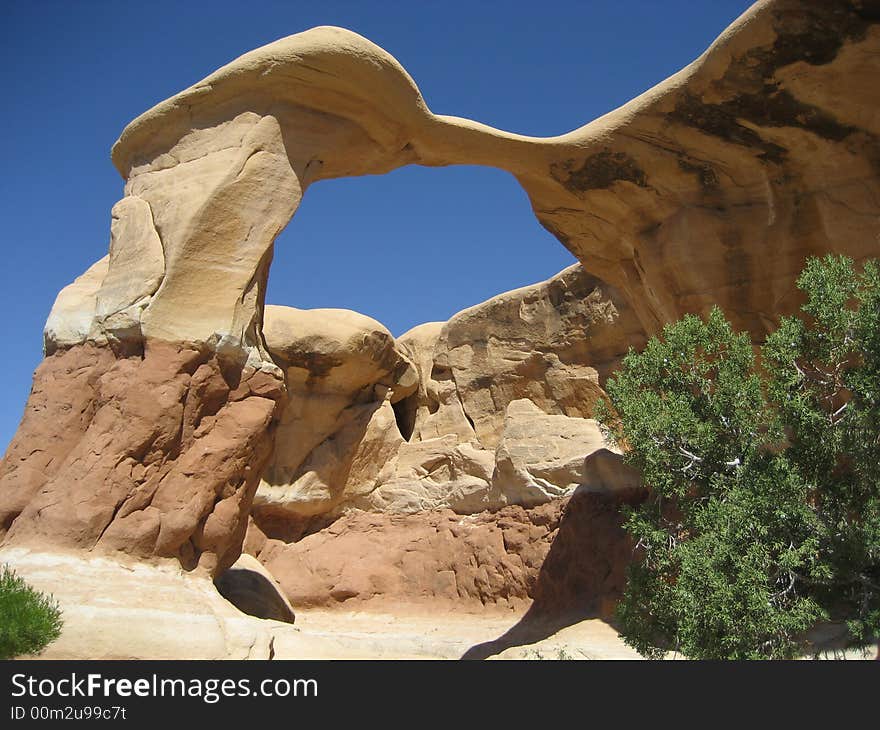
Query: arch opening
x=412, y=246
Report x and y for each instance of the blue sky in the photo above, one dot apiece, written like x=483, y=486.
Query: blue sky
x=416, y=245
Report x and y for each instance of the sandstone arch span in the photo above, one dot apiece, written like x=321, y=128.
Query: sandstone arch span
x=712, y=187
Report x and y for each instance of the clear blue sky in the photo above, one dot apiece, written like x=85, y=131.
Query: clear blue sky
x=413, y=246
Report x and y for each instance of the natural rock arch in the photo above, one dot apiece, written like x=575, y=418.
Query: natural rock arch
x=157, y=405
x=696, y=192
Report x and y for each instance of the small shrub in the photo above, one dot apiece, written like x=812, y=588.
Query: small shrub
x=29, y=620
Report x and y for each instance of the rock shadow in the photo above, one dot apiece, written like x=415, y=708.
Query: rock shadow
x=253, y=593
x=582, y=576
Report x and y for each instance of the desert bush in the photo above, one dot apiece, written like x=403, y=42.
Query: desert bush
x=29, y=620
x=763, y=474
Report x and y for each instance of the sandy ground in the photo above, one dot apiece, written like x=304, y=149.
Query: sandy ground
x=489, y=635
x=132, y=610
x=119, y=610
x=408, y=634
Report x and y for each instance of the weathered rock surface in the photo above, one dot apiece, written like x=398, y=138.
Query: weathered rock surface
x=568, y=554
x=336, y=351
x=136, y=269
x=434, y=474
x=156, y=455
x=542, y=456
x=374, y=424
x=133, y=610
x=553, y=343
x=710, y=188
x=604, y=471
x=73, y=314
x=342, y=372
x=435, y=409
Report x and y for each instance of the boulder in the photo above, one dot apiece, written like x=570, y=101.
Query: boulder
x=343, y=372
x=605, y=471
x=542, y=456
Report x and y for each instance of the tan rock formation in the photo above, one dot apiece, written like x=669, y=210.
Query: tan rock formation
x=604, y=471
x=553, y=343
x=542, y=456
x=338, y=429
x=438, y=473
x=374, y=424
x=435, y=410
x=73, y=314
x=132, y=610
x=136, y=269
x=336, y=351
x=710, y=188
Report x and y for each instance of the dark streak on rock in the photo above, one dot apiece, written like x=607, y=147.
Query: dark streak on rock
x=815, y=32
x=599, y=171
x=317, y=364
x=705, y=174
x=812, y=33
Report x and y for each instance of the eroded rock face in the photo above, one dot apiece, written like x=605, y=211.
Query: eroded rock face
x=714, y=186
x=121, y=610
x=72, y=318
x=570, y=555
x=376, y=424
x=437, y=473
x=711, y=188
x=342, y=371
x=553, y=343
x=435, y=409
x=155, y=456
x=541, y=457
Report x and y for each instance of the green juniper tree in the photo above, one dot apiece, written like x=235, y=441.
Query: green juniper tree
x=763, y=509
x=29, y=620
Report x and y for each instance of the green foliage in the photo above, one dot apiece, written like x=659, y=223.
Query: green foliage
x=29, y=620
x=763, y=512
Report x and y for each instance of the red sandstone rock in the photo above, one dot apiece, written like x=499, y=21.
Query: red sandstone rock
x=567, y=555
x=145, y=455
